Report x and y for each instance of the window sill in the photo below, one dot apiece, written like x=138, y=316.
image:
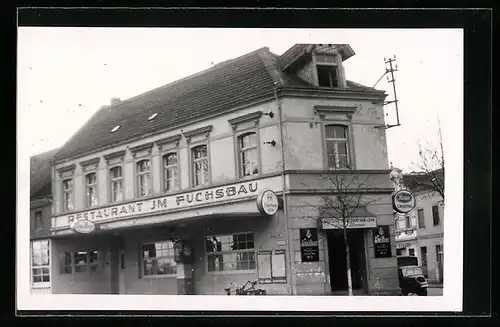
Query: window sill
x=232, y=272
x=40, y=285
x=159, y=276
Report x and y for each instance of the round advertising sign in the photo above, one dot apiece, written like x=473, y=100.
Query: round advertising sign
x=267, y=202
x=83, y=226
x=403, y=201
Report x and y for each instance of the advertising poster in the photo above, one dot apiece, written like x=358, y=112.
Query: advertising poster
x=309, y=249
x=382, y=242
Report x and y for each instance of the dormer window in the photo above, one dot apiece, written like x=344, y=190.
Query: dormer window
x=327, y=76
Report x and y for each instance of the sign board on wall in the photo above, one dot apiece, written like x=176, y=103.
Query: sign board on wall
x=166, y=204
x=83, y=226
x=309, y=249
x=267, y=202
x=382, y=242
x=271, y=266
x=403, y=201
x=353, y=222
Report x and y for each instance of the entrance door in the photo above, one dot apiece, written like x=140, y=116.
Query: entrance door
x=337, y=261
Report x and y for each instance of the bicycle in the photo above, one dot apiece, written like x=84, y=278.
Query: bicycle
x=245, y=291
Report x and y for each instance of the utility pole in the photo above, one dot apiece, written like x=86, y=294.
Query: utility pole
x=390, y=69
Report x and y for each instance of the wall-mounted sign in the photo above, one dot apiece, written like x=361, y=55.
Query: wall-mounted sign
x=403, y=201
x=267, y=202
x=309, y=249
x=353, y=222
x=83, y=226
x=382, y=242
x=271, y=266
x=186, y=200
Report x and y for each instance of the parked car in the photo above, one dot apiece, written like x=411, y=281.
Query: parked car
x=411, y=278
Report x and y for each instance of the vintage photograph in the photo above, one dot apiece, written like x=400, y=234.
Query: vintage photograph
x=238, y=162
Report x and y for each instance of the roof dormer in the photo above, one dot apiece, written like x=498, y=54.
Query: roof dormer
x=318, y=64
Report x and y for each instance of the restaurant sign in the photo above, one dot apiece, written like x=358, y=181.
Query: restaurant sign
x=353, y=222
x=166, y=204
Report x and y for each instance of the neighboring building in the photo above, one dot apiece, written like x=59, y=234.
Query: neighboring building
x=420, y=233
x=179, y=169
x=40, y=217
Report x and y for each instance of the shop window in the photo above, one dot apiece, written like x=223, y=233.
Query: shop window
x=248, y=154
x=435, y=215
x=230, y=252
x=200, y=165
x=67, y=194
x=411, y=252
x=38, y=220
x=170, y=172
x=91, y=190
x=40, y=263
x=116, y=177
x=407, y=222
x=439, y=253
x=158, y=259
x=337, y=146
x=80, y=262
x=143, y=178
x=421, y=218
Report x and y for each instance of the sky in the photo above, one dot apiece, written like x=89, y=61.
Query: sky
x=66, y=74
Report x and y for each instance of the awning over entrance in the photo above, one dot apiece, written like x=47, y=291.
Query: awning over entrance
x=359, y=218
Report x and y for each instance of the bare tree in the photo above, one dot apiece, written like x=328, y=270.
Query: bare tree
x=431, y=165
x=344, y=195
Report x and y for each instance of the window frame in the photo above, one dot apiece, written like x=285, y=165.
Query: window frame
x=239, y=152
x=48, y=266
x=87, y=201
x=435, y=213
x=71, y=196
x=38, y=221
x=138, y=174
x=222, y=252
x=347, y=140
x=142, y=274
x=421, y=222
x=192, y=164
x=164, y=168
x=332, y=66
x=112, y=180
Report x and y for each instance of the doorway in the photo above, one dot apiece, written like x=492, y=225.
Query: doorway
x=337, y=262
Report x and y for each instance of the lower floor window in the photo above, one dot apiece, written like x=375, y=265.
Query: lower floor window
x=158, y=259
x=40, y=262
x=80, y=262
x=230, y=252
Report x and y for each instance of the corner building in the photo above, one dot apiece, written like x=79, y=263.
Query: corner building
x=158, y=194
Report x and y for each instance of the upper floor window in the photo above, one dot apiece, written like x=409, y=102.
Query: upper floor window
x=230, y=252
x=337, y=146
x=435, y=215
x=40, y=262
x=170, y=172
x=116, y=177
x=91, y=190
x=421, y=218
x=67, y=194
x=247, y=144
x=38, y=220
x=143, y=178
x=158, y=259
x=327, y=76
x=200, y=165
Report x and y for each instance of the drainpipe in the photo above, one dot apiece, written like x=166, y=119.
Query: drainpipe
x=285, y=202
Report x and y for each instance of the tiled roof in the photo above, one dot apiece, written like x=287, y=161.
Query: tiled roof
x=418, y=182
x=219, y=88
x=41, y=174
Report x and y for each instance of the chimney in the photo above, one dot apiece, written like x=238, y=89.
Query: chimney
x=115, y=101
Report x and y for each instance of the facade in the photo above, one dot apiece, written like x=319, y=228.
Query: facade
x=219, y=178
x=420, y=233
x=40, y=220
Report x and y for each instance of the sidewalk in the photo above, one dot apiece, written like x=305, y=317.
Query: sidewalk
x=435, y=284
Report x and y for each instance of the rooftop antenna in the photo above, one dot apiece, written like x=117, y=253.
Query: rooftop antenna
x=390, y=70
